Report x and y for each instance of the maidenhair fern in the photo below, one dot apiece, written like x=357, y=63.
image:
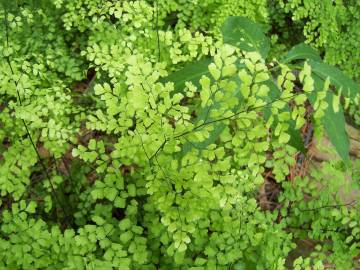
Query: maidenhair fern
x=146, y=134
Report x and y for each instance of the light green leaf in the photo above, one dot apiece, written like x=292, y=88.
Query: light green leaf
x=214, y=71
x=98, y=220
x=31, y=208
x=98, y=89
x=138, y=98
x=182, y=247
x=120, y=202
x=125, y=224
x=92, y=144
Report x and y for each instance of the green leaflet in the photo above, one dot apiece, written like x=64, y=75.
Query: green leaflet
x=337, y=78
x=301, y=51
x=246, y=35
x=295, y=136
x=334, y=122
x=191, y=72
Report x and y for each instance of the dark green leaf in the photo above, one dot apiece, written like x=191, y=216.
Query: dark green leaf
x=301, y=51
x=189, y=73
x=337, y=78
x=246, y=35
x=334, y=122
x=335, y=127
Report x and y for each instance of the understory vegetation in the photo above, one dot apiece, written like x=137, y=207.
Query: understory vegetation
x=178, y=134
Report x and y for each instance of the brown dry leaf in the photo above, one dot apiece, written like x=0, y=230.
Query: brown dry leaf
x=43, y=152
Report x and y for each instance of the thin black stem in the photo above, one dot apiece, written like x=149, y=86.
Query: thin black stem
x=234, y=116
x=157, y=29
x=327, y=206
x=26, y=126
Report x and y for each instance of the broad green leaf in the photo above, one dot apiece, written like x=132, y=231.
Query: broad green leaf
x=334, y=122
x=189, y=73
x=246, y=35
x=301, y=51
x=337, y=78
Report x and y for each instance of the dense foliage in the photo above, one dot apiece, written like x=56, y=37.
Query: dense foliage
x=148, y=134
x=332, y=26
